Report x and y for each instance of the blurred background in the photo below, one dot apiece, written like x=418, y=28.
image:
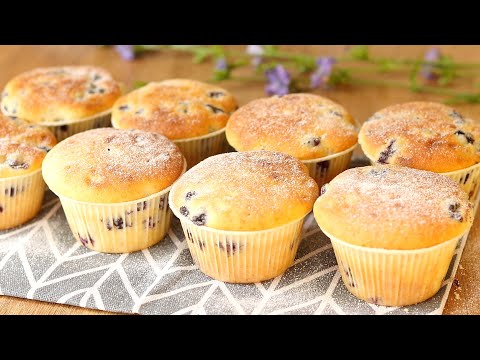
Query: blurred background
x=360, y=100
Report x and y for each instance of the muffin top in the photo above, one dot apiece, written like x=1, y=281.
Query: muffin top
x=302, y=125
x=253, y=190
x=22, y=146
x=393, y=207
x=177, y=108
x=55, y=95
x=422, y=135
x=110, y=166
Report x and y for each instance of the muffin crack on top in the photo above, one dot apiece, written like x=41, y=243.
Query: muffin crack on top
x=60, y=94
x=302, y=125
x=421, y=135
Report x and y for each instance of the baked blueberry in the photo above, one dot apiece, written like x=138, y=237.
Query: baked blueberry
x=387, y=153
x=200, y=220
x=215, y=109
x=184, y=211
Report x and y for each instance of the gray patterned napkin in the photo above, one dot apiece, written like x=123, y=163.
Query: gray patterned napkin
x=41, y=260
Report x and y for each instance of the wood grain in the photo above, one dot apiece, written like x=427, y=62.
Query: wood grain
x=361, y=101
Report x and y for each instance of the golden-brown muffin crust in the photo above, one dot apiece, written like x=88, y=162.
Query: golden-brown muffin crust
x=110, y=166
x=54, y=95
x=23, y=146
x=393, y=207
x=302, y=125
x=177, y=108
x=18, y=131
x=422, y=135
x=253, y=190
x=19, y=159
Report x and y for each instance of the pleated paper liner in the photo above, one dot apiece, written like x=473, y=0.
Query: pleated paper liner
x=119, y=227
x=393, y=277
x=20, y=198
x=202, y=147
x=242, y=256
x=468, y=178
x=65, y=129
x=324, y=169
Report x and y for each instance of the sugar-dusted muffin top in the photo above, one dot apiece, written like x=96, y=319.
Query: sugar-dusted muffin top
x=22, y=146
x=110, y=166
x=303, y=125
x=177, y=108
x=253, y=190
x=422, y=135
x=393, y=207
x=59, y=94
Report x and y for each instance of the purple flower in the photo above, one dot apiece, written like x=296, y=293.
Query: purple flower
x=428, y=70
x=222, y=69
x=127, y=52
x=221, y=64
x=278, y=81
x=256, y=51
x=321, y=75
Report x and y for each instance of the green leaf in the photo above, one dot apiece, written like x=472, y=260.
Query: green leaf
x=138, y=84
x=470, y=98
x=359, y=52
x=339, y=77
x=219, y=75
x=445, y=69
x=200, y=54
x=414, y=86
x=386, y=65
x=269, y=50
x=217, y=51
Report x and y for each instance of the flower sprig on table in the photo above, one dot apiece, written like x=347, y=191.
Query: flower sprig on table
x=286, y=72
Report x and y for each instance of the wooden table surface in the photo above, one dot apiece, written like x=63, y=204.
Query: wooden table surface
x=360, y=101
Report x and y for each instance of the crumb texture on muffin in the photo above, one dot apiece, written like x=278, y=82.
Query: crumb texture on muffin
x=110, y=166
x=176, y=108
x=302, y=125
x=23, y=146
x=422, y=135
x=54, y=95
x=254, y=190
x=393, y=207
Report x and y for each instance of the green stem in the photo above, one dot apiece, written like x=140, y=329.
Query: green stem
x=400, y=84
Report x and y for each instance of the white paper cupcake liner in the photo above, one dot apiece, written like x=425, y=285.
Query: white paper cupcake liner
x=202, y=147
x=242, y=256
x=120, y=227
x=20, y=198
x=393, y=277
x=469, y=180
x=324, y=169
x=65, y=129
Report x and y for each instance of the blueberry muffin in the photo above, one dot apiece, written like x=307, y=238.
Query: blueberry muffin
x=67, y=99
x=23, y=147
x=316, y=130
x=113, y=185
x=394, y=230
x=190, y=113
x=425, y=136
x=242, y=213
